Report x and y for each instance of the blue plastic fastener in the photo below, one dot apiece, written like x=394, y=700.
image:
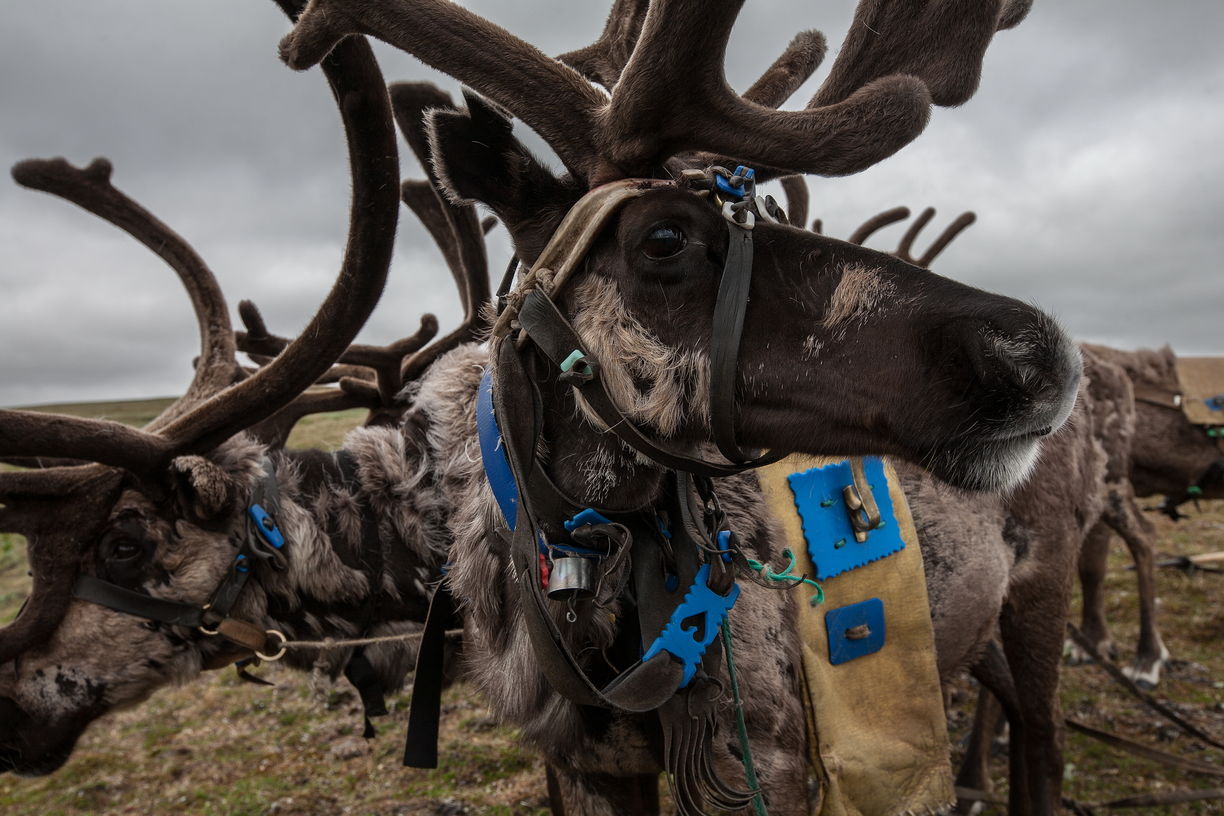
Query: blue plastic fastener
x=724, y=545
x=687, y=643
x=855, y=631
x=583, y=518
x=1215, y=403
x=826, y=520
x=241, y=563
x=265, y=525
x=726, y=188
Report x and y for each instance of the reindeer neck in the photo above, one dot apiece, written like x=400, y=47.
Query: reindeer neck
x=349, y=563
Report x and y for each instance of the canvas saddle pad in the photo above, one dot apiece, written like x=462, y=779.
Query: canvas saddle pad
x=1202, y=385
x=877, y=733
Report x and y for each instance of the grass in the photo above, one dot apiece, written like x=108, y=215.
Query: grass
x=221, y=747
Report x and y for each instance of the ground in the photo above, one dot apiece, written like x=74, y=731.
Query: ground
x=223, y=747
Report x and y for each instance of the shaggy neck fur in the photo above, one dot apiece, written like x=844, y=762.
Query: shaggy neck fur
x=341, y=580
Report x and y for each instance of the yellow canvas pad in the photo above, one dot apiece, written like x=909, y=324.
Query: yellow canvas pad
x=1202, y=380
x=878, y=737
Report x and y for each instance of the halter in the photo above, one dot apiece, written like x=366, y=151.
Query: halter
x=531, y=310
x=261, y=539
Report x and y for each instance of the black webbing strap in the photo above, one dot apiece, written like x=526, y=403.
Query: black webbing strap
x=725, y=334
x=113, y=596
x=556, y=338
x=425, y=710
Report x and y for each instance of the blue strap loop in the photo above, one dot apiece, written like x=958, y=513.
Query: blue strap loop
x=687, y=644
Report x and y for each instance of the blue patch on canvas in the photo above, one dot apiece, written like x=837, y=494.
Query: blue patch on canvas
x=855, y=631
x=826, y=520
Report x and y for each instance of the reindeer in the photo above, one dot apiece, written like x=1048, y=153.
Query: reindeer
x=964, y=382
x=1168, y=455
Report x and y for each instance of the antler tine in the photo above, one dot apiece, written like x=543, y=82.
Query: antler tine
x=940, y=42
x=30, y=433
x=361, y=93
x=603, y=60
x=790, y=70
x=962, y=222
x=455, y=228
x=551, y=98
x=878, y=222
x=90, y=188
x=383, y=361
x=796, y=190
x=904, y=249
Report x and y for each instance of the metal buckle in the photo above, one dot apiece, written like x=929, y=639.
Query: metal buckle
x=860, y=502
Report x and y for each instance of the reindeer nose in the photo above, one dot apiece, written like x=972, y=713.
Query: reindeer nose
x=1025, y=372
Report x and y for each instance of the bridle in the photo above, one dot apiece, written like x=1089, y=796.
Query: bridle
x=262, y=540
x=531, y=315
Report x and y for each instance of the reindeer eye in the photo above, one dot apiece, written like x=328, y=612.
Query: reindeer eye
x=122, y=548
x=664, y=241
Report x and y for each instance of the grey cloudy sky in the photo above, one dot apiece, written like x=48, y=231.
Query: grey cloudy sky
x=1092, y=155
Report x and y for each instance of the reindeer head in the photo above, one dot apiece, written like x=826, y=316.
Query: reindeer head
x=155, y=519
x=844, y=350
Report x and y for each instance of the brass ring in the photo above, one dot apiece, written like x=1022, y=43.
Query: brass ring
x=202, y=627
x=283, y=646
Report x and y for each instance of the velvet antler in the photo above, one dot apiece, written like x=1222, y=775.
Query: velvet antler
x=91, y=189
x=904, y=250
x=60, y=510
x=672, y=96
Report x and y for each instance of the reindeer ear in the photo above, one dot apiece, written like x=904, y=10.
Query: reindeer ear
x=204, y=492
x=477, y=158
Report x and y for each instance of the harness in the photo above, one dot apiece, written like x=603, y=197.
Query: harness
x=1207, y=413
x=679, y=582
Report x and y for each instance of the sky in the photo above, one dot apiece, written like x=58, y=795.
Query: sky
x=1091, y=155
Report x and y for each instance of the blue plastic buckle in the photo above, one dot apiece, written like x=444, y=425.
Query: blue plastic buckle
x=725, y=186
x=242, y=563
x=583, y=518
x=265, y=525
x=688, y=644
x=1215, y=403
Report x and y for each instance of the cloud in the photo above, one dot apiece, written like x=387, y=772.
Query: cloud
x=1090, y=155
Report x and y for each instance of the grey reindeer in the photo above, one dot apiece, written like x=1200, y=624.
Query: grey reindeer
x=964, y=382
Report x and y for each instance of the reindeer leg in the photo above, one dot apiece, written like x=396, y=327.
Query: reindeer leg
x=1137, y=532
x=1032, y=624
x=1092, y=566
x=997, y=704
x=574, y=793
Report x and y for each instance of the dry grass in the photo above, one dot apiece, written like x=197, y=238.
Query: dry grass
x=222, y=747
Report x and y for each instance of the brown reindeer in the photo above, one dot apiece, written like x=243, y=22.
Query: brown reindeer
x=888, y=359
x=1168, y=455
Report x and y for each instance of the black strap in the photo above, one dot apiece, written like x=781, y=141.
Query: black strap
x=421, y=743
x=113, y=596
x=725, y=334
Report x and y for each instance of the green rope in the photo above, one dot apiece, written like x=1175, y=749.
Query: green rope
x=787, y=574
x=758, y=802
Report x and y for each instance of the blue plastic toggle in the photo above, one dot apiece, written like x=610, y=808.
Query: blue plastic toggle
x=724, y=545
x=241, y=563
x=1215, y=403
x=725, y=187
x=855, y=631
x=686, y=643
x=266, y=526
x=826, y=520
x=585, y=517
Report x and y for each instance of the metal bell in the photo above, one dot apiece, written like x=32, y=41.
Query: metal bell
x=572, y=578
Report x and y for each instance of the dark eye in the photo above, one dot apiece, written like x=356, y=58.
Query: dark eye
x=664, y=241
x=122, y=548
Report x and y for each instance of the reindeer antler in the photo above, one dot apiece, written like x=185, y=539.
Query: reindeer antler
x=91, y=189
x=671, y=95
x=61, y=509
x=905, y=248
